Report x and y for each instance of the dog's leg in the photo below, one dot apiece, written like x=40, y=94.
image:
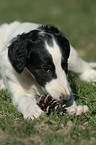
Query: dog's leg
x=92, y=64
x=25, y=102
x=2, y=86
x=73, y=109
x=84, y=70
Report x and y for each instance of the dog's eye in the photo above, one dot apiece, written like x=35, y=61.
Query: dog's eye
x=46, y=69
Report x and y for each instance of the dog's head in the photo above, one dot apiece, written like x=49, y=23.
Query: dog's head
x=45, y=53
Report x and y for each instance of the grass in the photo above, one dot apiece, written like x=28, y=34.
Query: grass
x=77, y=19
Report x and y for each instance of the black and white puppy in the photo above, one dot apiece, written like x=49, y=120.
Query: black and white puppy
x=34, y=59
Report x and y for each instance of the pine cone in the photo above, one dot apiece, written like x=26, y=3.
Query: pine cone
x=49, y=105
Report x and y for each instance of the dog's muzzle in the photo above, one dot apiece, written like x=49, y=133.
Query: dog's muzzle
x=64, y=97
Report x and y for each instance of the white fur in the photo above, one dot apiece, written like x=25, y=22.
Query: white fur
x=61, y=82
x=24, y=89
x=84, y=69
x=92, y=64
x=2, y=86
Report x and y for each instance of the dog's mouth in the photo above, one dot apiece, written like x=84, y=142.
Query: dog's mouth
x=62, y=101
x=65, y=97
x=48, y=104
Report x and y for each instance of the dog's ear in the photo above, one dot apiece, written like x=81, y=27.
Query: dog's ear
x=67, y=47
x=20, y=48
x=17, y=54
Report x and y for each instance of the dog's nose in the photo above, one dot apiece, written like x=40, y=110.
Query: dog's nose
x=64, y=97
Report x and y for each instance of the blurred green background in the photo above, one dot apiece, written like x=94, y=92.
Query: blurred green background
x=75, y=18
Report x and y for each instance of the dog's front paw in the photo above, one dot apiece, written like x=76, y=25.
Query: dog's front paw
x=88, y=75
x=32, y=112
x=77, y=110
x=2, y=86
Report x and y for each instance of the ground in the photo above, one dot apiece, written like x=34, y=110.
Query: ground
x=77, y=20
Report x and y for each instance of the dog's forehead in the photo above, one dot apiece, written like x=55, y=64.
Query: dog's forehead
x=54, y=51
x=50, y=33
x=49, y=49
x=50, y=29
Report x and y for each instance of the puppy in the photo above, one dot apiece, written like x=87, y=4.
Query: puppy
x=34, y=60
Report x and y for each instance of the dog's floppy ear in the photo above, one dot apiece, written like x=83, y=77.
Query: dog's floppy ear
x=66, y=46
x=17, y=52
x=20, y=48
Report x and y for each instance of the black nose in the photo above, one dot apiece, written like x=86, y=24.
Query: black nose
x=64, y=97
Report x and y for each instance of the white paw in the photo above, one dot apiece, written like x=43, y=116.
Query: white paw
x=32, y=112
x=89, y=75
x=77, y=110
x=92, y=64
x=2, y=86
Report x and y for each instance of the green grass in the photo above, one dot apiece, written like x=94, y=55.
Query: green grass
x=77, y=19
